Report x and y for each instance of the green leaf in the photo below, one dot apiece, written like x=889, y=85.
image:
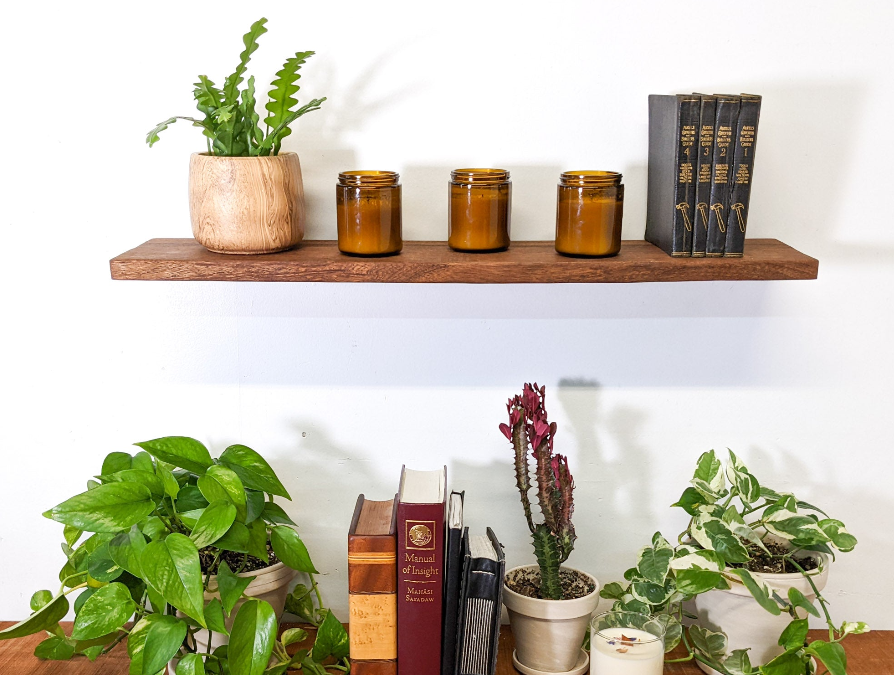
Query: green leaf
x=143, y=461
x=220, y=482
x=55, y=649
x=116, y=461
x=208, y=97
x=254, y=505
x=71, y=534
x=101, y=566
x=798, y=599
x=691, y=499
x=126, y=548
x=108, y=508
x=759, y=591
x=738, y=663
x=613, y=591
x=171, y=486
x=708, y=478
x=746, y=484
x=187, y=453
x=839, y=536
x=332, y=640
x=250, y=40
x=191, y=664
x=43, y=619
x=39, y=599
x=153, y=528
x=235, y=539
x=92, y=653
x=653, y=594
x=252, y=638
x=293, y=635
x=106, y=611
x=82, y=598
x=300, y=603
x=291, y=550
x=724, y=542
x=190, y=498
x=654, y=564
x=637, y=606
x=153, y=641
x=274, y=513
x=149, y=479
x=705, y=560
x=214, y=617
x=794, y=635
x=230, y=586
x=831, y=654
x=670, y=626
x=802, y=529
x=696, y=581
x=787, y=663
x=253, y=470
x=282, y=88
x=272, y=139
x=257, y=540
x=708, y=642
x=213, y=523
x=171, y=568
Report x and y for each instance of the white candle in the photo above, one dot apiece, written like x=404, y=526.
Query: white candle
x=626, y=651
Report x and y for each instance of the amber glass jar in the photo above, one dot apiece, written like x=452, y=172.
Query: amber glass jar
x=480, y=203
x=589, y=212
x=369, y=213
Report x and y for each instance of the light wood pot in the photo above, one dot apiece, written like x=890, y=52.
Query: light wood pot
x=246, y=205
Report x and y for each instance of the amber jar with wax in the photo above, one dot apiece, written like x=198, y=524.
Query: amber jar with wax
x=369, y=213
x=588, y=213
x=480, y=206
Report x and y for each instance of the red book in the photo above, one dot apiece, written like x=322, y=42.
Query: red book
x=422, y=501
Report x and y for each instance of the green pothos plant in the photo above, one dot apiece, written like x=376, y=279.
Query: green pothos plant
x=732, y=520
x=143, y=543
x=230, y=122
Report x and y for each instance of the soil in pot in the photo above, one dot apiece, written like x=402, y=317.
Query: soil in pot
x=773, y=563
x=527, y=582
x=237, y=562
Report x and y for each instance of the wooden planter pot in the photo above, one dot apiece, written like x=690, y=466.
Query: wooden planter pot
x=246, y=205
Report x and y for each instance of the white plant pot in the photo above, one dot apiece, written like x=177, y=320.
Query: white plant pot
x=549, y=633
x=746, y=623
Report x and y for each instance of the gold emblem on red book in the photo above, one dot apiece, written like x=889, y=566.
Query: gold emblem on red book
x=420, y=535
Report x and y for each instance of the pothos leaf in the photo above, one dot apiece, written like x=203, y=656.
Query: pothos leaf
x=653, y=564
x=708, y=642
x=759, y=591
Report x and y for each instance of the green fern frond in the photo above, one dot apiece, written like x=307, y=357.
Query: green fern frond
x=250, y=40
x=282, y=89
x=253, y=133
x=152, y=137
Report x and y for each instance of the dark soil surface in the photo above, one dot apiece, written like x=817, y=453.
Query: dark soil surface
x=237, y=562
x=527, y=582
x=773, y=564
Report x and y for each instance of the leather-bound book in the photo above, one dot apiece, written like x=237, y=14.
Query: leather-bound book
x=703, y=175
x=673, y=123
x=743, y=169
x=420, y=570
x=483, y=570
x=721, y=175
x=372, y=587
x=453, y=575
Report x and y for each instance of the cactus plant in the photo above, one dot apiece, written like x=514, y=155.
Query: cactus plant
x=531, y=433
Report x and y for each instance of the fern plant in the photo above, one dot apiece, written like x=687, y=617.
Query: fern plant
x=230, y=122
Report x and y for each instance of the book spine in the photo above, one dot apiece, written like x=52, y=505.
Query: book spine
x=372, y=603
x=684, y=190
x=703, y=176
x=479, y=630
x=420, y=587
x=743, y=170
x=724, y=129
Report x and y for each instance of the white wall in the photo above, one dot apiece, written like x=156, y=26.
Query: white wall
x=340, y=384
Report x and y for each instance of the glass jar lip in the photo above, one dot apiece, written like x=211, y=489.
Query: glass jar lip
x=488, y=176
x=367, y=178
x=588, y=177
x=647, y=619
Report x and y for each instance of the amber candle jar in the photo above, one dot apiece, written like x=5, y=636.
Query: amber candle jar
x=480, y=203
x=588, y=214
x=369, y=213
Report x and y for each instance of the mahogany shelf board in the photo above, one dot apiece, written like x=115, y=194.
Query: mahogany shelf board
x=868, y=654
x=434, y=262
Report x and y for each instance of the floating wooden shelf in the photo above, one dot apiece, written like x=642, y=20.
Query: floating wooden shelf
x=433, y=262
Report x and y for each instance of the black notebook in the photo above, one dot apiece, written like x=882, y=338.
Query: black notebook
x=484, y=567
x=453, y=572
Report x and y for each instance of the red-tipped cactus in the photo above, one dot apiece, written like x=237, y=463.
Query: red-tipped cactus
x=531, y=433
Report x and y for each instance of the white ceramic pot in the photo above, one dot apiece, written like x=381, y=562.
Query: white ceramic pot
x=745, y=622
x=549, y=633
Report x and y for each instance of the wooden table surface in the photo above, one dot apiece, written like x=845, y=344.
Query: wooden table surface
x=869, y=654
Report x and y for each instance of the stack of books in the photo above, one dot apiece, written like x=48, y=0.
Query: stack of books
x=424, y=595
x=701, y=163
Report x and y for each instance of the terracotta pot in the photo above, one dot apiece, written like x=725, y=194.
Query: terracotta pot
x=246, y=205
x=549, y=633
x=745, y=622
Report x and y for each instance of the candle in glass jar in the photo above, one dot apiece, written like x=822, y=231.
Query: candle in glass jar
x=369, y=213
x=626, y=651
x=589, y=210
x=479, y=210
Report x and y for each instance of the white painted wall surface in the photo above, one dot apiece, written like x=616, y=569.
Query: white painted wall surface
x=340, y=384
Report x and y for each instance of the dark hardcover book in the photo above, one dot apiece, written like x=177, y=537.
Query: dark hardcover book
x=703, y=175
x=743, y=170
x=484, y=568
x=372, y=587
x=420, y=570
x=453, y=574
x=724, y=129
x=673, y=122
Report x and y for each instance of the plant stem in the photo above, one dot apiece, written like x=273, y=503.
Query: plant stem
x=114, y=643
x=822, y=600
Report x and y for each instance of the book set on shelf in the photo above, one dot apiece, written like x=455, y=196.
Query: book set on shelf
x=424, y=594
x=701, y=163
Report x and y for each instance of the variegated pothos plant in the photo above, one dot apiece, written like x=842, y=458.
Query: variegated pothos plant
x=729, y=510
